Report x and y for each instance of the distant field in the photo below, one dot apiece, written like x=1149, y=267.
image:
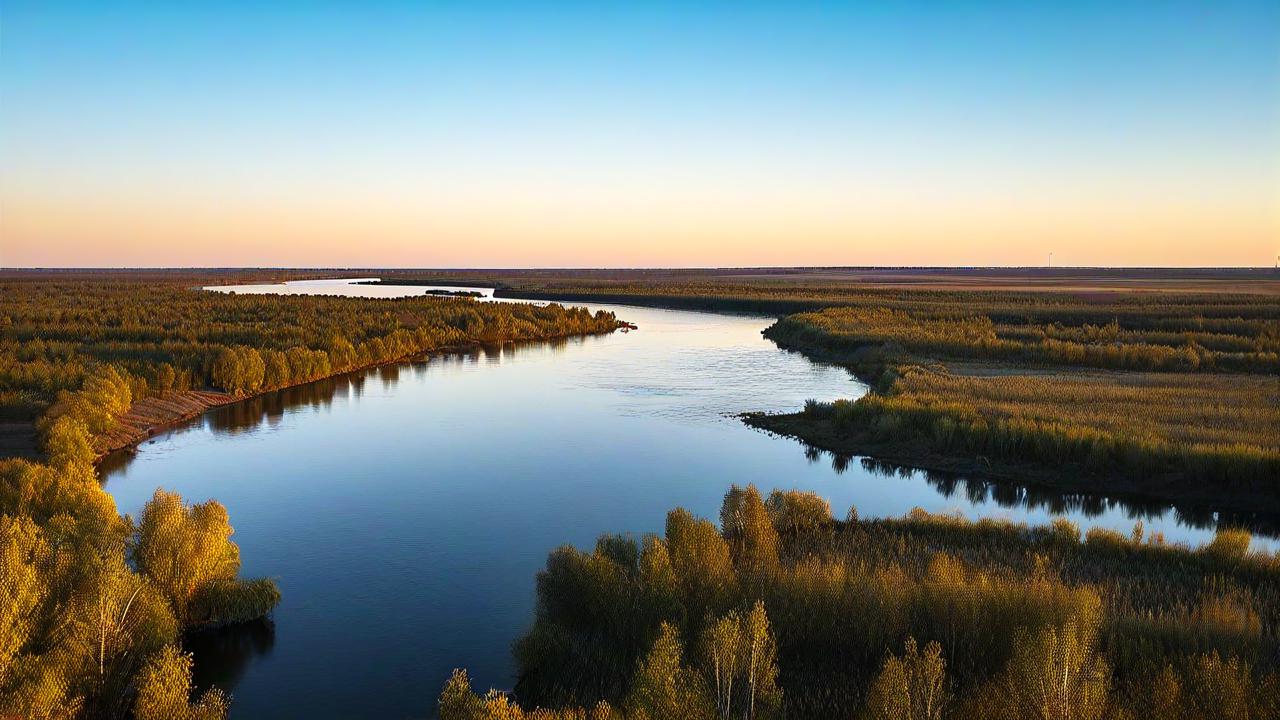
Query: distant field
x=1169, y=395
x=824, y=281
x=672, y=281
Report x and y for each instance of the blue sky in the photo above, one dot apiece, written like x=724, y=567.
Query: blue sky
x=647, y=133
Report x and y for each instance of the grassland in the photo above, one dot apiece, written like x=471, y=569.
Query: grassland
x=1178, y=402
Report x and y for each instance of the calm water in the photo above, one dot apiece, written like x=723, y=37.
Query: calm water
x=406, y=510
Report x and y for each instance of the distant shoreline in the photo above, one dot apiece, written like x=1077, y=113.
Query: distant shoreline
x=423, y=283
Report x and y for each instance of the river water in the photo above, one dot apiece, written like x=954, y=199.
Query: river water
x=406, y=510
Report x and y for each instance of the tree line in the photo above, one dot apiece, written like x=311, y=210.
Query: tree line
x=86, y=348
x=1223, y=431
x=1246, y=315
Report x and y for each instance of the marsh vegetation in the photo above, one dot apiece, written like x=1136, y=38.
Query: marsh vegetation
x=1182, y=405
x=785, y=610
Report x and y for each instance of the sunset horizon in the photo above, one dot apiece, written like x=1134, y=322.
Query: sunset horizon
x=694, y=136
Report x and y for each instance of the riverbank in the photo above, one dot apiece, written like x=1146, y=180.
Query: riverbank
x=1201, y=438
x=153, y=415
x=423, y=283
x=1259, y=512
x=75, y=354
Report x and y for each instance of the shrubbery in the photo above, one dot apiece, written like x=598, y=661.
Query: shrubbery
x=925, y=617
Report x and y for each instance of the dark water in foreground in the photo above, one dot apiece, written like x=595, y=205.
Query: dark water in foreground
x=406, y=510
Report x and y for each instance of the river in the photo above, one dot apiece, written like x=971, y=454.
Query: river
x=405, y=511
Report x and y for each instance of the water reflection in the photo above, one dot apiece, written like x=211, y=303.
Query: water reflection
x=226, y=653
x=980, y=491
x=269, y=409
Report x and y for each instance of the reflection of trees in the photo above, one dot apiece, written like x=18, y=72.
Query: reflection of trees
x=270, y=407
x=390, y=376
x=840, y=463
x=979, y=491
x=223, y=654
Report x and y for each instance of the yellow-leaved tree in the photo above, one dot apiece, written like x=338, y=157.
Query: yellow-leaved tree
x=164, y=689
x=186, y=550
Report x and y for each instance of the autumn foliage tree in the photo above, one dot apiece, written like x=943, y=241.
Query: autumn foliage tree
x=186, y=550
x=164, y=689
x=78, y=615
x=910, y=687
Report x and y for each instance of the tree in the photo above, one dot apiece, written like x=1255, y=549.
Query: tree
x=342, y=355
x=226, y=372
x=656, y=573
x=68, y=441
x=1057, y=673
x=238, y=369
x=912, y=687
x=276, y=369
x=164, y=686
x=457, y=701
x=794, y=511
x=753, y=540
x=722, y=647
x=23, y=553
x=663, y=687
x=122, y=618
x=702, y=564
x=165, y=378
x=739, y=651
x=183, y=548
x=760, y=664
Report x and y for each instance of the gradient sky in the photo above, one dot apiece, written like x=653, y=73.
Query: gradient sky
x=602, y=134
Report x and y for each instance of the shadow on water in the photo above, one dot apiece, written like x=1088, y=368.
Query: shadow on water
x=980, y=491
x=225, y=653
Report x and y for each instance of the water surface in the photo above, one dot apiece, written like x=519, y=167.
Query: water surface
x=406, y=510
